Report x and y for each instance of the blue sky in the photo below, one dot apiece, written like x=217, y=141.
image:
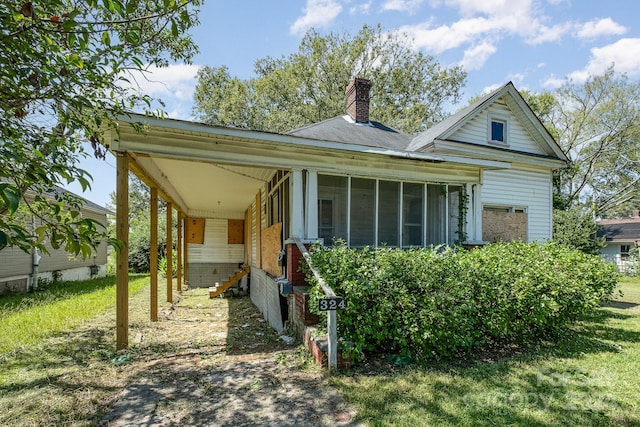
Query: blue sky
x=537, y=44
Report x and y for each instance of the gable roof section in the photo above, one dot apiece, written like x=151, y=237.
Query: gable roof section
x=86, y=204
x=344, y=129
x=521, y=110
x=620, y=230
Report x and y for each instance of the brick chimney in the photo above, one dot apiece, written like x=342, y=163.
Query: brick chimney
x=358, y=99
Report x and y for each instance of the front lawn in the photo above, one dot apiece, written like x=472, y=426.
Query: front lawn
x=588, y=378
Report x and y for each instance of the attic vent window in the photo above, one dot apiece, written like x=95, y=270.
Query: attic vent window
x=498, y=130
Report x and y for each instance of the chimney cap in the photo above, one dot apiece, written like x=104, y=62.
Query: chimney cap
x=357, y=81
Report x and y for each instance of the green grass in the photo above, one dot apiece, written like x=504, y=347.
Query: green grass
x=630, y=289
x=587, y=377
x=26, y=319
x=56, y=351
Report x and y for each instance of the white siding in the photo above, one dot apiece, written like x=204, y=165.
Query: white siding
x=477, y=130
x=15, y=262
x=265, y=294
x=520, y=187
x=215, y=248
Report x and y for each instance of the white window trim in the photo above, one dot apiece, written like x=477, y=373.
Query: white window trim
x=506, y=208
x=506, y=131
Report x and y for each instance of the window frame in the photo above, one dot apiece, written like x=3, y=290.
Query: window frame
x=495, y=118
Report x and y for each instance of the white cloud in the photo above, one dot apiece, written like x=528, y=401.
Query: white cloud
x=476, y=56
x=480, y=19
x=409, y=6
x=602, y=27
x=176, y=81
x=174, y=85
x=554, y=33
x=623, y=54
x=490, y=88
x=553, y=82
x=447, y=37
x=317, y=13
x=361, y=9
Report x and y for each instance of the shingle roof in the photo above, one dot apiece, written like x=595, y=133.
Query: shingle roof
x=627, y=229
x=343, y=129
x=88, y=204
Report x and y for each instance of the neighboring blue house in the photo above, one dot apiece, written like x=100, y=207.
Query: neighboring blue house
x=622, y=235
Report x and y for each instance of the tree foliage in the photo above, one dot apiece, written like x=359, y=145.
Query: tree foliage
x=66, y=70
x=409, y=89
x=598, y=125
x=140, y=225
x=575, y=228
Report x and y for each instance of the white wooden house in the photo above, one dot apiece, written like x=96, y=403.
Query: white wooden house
x=483, y=174
x=622, y=237
x=18, y=268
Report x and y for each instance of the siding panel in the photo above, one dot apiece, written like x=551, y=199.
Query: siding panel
x=477, y=130
x=519, y=187
x=15, y=262
x=215, y=248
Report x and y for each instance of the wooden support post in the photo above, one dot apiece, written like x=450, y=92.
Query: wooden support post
x=179, y=254
x=153, y=254
x=186, y=261
x=169, y=253
x=247, y=237
x=122, y=258
x=258, y=231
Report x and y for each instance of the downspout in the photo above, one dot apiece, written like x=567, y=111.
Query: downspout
x=35, y=257
x=34, y=269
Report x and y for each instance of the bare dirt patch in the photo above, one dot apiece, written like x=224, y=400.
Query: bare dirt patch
x=217, y=362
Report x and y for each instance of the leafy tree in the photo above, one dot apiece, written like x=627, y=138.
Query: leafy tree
x=140, y=224
x=575, y=227
x=598, y=125
x=66, y=69
x=409, y=89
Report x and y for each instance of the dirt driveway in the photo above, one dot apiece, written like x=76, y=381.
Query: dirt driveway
x=217, y=363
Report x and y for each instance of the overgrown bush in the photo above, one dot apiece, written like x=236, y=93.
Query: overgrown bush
x=432, y=303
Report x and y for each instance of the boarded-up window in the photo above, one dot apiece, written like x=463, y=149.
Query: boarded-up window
x=271, y=246
x=195, y=230
x=504, y=224
x=235, y=231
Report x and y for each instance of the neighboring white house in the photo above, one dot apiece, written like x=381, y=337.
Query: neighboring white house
x=482, y=175
x=17, y=268
x=622, y=235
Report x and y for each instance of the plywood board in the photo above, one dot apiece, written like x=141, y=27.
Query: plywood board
x=235, y=231
x=504, y=226
x=195, y=230
x=271, y=246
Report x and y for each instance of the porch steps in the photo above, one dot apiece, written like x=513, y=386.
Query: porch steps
x=214, y=291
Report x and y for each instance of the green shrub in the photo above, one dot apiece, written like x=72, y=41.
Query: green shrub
x=432, y=303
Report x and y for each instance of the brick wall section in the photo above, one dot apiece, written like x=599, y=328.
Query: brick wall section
x=301, y=315
x=358, y=99
x=318, y=347
x=294, y=260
